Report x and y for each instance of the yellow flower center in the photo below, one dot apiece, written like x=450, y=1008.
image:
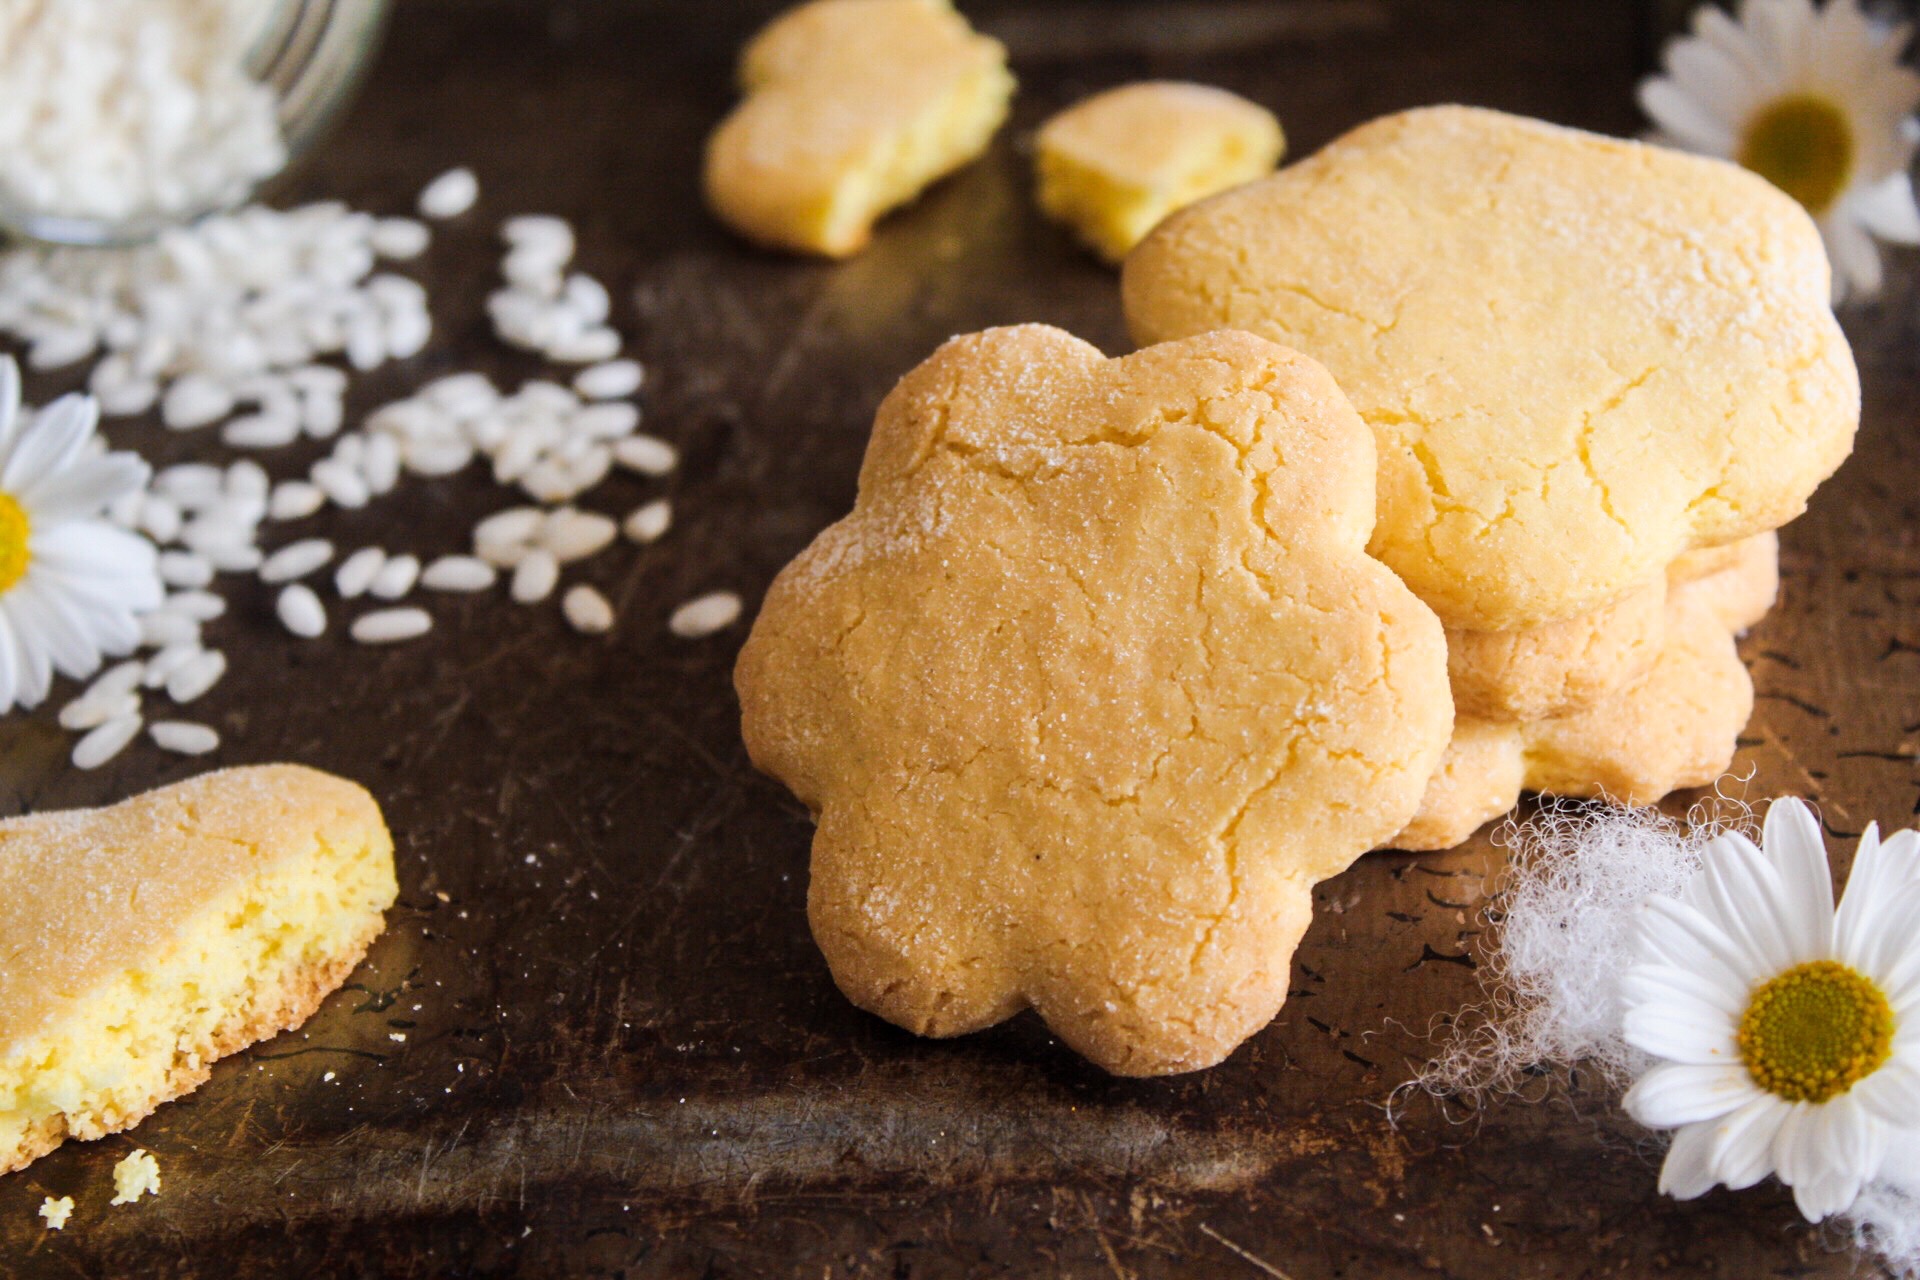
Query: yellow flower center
x=1815, y=1031
x=14, y=529
x=1803, y=145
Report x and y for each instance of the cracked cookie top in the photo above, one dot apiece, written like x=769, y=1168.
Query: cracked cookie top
x=1580, y=357
x=1091, y=687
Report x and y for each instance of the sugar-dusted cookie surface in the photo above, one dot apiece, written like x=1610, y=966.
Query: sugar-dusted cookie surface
x=1581, y=357
x=1091, y=687
x=1113, y=165
x=145, y=940
x=1562, y=667
x=851, y=108
x=1672, y=727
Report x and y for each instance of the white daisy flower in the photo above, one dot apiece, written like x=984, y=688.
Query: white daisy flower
x=1815, y=101
x=71, y=584
x=1789, y=1033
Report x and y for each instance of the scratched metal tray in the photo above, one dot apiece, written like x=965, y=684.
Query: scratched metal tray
x=622, y=1053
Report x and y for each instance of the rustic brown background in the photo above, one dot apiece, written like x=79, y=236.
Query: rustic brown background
x=623, y=1055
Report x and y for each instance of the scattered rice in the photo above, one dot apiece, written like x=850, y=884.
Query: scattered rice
x=387, y=626
x=296, y=560
x=705, y=615
x=535, y=577
x=647, y=522
x=301, y=612
x=587, y=611
x=458, y=573
x=449, y=195
x=183, y=737
x=105, y=742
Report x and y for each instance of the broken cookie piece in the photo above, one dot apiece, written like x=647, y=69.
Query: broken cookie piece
x=1093, y=686
x=145, y=940
x=852, y=108
x=1113, y=165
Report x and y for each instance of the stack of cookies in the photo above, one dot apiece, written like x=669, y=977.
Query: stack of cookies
x=1450, y=469
x=1599, y=375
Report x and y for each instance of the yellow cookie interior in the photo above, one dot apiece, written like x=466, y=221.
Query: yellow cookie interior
x=143, y=941
x=853, y=108
x=1111, y=167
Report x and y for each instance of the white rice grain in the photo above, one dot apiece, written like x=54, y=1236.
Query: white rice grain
x=90, y=710
x=357, y=572
x=294, y=500
x=301, y=612
x=571, y=534
x=201, y=674
x=195, y=401
x=396, y=577
x=458, y=573
x=648, y=521
x=183, y=737
x=449, y=195
x=296, y=560
x=609, y=380
x=705, y=615
x=535, y=576
x=587, y=611
x=387, y=626
x=185, y=569
x=649, y=455
x=105, y=742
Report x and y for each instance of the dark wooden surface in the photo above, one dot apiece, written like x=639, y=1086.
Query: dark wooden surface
x=623, y=1055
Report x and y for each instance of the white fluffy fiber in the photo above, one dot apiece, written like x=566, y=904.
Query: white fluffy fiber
x=1565, y=917
x=1576, y=876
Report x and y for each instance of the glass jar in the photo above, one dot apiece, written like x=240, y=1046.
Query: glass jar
x=120, y=120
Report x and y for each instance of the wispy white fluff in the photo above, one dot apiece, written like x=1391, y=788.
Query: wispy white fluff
x=1564, y=922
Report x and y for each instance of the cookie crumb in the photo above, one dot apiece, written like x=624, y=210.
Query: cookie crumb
x=56, y=1212
x=138, y=1175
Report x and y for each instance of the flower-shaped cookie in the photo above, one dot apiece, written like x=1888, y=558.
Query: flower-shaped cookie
x=1092, y=686
x=1581, y=357
x=1672, y=726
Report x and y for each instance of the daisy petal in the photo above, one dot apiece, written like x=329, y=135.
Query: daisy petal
x=1743, y=1141
x=1796, y=1155
x=58, y=434
x=123, y=563
x=1901, y=1168
x=1888, y=210
x=34, y=670
x=1856, y=1141
x=1889, y=952
x=1828, y=1192
x=1792, y=843
x=1675, y=1094
x=1860, y=904
x=1717, y=82
x=1688, y=1171
x=83, y=489
x=9, y=665
x=1856, y=260
x=1840, y=1148
x=1676, y=934
x=1741, y=891
x=1730, y=38
x=1892, y=1093
x=1676, y=111
x=9, y=403
x=70, y=645
x=1647, y=982
x=1682, y=1031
